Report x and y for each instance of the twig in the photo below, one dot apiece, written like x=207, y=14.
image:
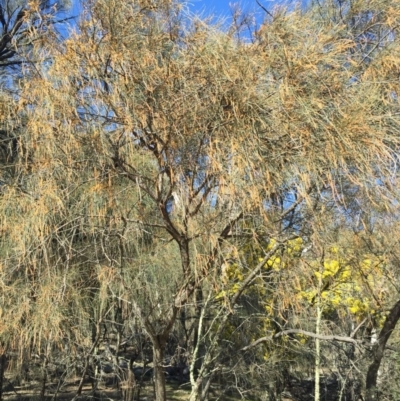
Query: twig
x=264, y=9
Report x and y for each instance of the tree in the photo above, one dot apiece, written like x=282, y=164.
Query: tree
x=154, y=149
x=22, y=24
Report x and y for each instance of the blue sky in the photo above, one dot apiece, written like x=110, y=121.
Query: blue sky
x=210, y=7
x=222, y=7
x=216, y=8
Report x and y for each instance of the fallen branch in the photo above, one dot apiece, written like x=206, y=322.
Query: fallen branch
x=303, y=332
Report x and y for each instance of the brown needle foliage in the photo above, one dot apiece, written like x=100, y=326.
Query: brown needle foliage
x=150, y=135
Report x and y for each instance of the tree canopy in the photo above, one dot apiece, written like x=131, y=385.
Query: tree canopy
x=236, y=197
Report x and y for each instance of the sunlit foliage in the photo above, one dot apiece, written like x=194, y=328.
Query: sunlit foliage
x=156, y=159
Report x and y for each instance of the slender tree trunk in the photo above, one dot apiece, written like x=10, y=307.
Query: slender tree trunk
x=198, y=299
x=159, y=340
x=317, y=356
x=159, y=377
x=378, y=351
x=195, y=391
x=198, y=344
x=195, y=383
x=44, y=379
x=3, y=366
x=317, y=340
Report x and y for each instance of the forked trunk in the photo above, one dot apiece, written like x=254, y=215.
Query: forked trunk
x=195, y=393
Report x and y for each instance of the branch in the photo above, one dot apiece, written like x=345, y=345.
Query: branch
x=264, y=9
x=354, y=332
x=303, y=332
x=12, y=62
x=228, y=228
x=253, y=274
x=295, y=204
x=192, y=282
x=146, y=224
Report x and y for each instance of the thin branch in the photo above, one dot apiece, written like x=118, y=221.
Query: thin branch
x=264, y=9
x=295, y=204
x=262, y=340
x=354, y=332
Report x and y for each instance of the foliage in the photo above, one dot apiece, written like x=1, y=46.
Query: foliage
x=164, y=176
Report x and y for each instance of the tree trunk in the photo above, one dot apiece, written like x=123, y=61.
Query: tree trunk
x=317, y=357
x=3, y=366
x=378, y=350
x=44, y=379
x=198, y=345
x=317, y=340
x=195, y=391
x=159, y=378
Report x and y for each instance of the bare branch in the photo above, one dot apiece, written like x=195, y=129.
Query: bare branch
x=304, y=333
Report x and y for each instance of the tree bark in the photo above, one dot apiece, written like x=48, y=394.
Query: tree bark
x=159, y=377
x=44, y=379
x=3, y=366
x=378, y=350
x=317, y=341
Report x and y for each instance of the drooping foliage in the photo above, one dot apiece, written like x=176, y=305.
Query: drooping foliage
x=159, y=166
